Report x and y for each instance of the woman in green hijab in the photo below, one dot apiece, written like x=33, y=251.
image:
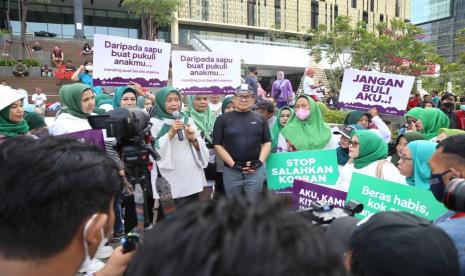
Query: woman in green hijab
x=402, y=141
x=227, y=105
x=306, y=129
x=430, y=121
x=78, y=102
x=414, y=163
x=125, y=97
x=12, y=121
x=204, y=119
x=368, y=152
x=413, y=119
x=447, y=132
x=183, y=152
x=283, y=116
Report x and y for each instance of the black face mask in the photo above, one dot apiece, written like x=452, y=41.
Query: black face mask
x=448, y=105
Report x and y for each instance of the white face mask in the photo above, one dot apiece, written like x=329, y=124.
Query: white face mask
x=89, y=68
x=87, y=259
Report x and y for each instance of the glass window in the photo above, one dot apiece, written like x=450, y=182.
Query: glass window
x=116, y=14
x=68, y=30
x=67, y=10
x=36, y=27
x=56, y=29
x=88, y=12
x=118, y=31
x=101, y=13
x=89, y=31
x=101, y=30
x=354, y=4
x=53, y=9
x=16, y=26
x=34, y=7
x=430, y=11
x=133, y=33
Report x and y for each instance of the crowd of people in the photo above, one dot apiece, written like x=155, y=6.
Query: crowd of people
x=213, y=153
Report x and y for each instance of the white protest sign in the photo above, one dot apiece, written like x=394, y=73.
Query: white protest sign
x=363, y=90
x=205, y=72
x=120, y=60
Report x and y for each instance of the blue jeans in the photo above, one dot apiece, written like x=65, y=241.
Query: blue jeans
x=118, y=227
x=236, y=183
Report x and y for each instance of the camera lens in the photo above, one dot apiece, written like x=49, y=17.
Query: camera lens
x=454, y=198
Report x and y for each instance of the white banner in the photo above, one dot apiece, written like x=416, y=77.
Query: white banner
x=206, y=72
x=363, y=90
x=121, y=60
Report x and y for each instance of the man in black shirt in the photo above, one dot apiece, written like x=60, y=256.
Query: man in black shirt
x=242, y=139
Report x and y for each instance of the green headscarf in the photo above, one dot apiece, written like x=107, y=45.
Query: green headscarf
x=161, y=113
x=414, y=112
x=354, y=116
x=8, y=128
x=422, y=151
x=102, y=97
x=372, y=148
x=226, y=102
x=141, y=102
x=102, y=102
x=311, y=134
x=119, y=92
x=451, y=132
x=433, y=120
x=410, y=136
x=71, y=97
x=277, y=127
x=34, y=120
x=205, y=121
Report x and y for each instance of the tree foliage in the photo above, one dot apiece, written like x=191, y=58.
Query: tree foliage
x=393, y=48
x=153, y=14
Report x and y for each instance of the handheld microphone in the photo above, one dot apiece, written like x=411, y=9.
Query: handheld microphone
x=177, y=116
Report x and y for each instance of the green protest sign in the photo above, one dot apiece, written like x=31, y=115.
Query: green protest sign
x=316, y=166
x=379, y=195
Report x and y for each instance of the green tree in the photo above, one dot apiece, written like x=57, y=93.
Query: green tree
x=393, y=49
x=153, y=14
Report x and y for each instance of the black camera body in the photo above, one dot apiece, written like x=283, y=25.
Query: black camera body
x=454, y=195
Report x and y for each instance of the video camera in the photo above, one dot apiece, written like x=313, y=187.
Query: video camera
x=323, y=213
x=131, y=128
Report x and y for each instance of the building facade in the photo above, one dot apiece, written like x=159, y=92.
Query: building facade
x=255, y=19
x=248, y=19
x=441, y=20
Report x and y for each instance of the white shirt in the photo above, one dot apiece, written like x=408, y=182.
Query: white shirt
x=390, y=173
x=181, y=164
x=383, y=130
x=67, y=123
x=308, y=83
x=216, y=108
x=39, y=99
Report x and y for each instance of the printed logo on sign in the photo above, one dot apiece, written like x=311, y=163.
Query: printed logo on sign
x=104, y=82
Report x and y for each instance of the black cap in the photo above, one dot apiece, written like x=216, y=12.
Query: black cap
x=448, y=95
x=264, y=104
x=399, y=243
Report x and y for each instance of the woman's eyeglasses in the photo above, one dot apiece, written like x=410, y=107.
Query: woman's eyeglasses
x=354, y=144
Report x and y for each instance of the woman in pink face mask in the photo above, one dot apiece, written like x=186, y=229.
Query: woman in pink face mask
x=306, y=129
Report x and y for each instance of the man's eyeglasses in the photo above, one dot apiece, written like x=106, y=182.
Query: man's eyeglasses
x=244, y=97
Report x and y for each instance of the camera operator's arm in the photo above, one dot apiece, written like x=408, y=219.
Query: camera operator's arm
x=117, y=264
